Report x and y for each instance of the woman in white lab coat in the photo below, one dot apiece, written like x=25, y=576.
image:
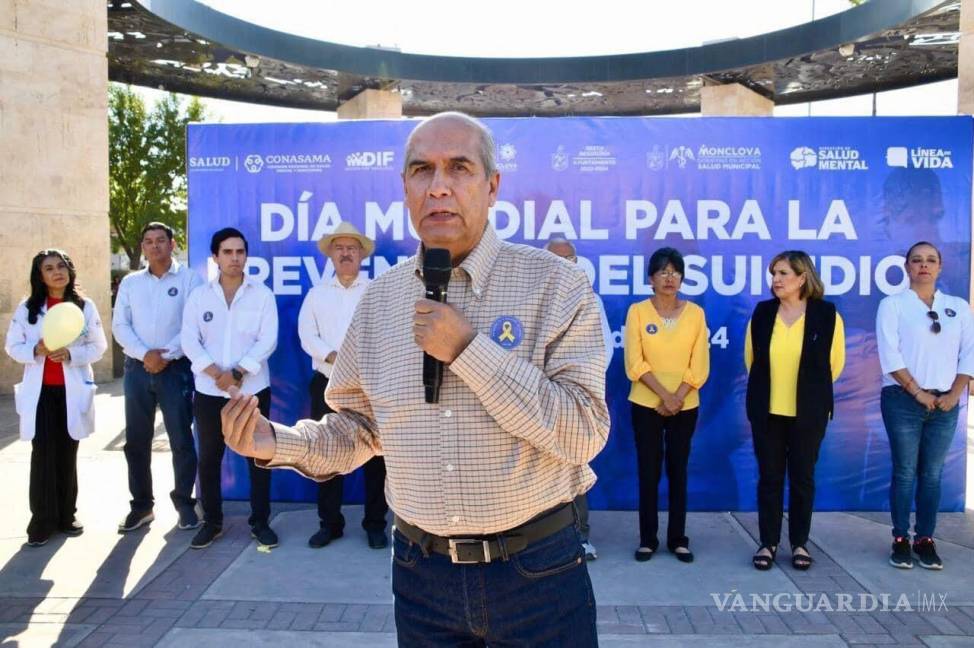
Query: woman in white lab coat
x=55, y=400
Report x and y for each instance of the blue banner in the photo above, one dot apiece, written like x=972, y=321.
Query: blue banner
x=729, y=193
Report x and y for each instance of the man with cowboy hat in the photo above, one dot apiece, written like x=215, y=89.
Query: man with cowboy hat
x=322, y=322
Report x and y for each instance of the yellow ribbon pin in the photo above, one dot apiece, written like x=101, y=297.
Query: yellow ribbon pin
x=507, y=334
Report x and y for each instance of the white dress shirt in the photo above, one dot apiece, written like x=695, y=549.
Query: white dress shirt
x=241, y=335
x=324, y=318
x=149, y=310
x=905, y=339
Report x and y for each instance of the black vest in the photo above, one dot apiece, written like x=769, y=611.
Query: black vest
x=814, y=399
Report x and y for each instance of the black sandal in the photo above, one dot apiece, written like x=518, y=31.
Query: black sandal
x=801, y=562
x=762, y=562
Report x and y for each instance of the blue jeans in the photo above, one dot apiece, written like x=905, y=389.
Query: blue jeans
x=541, y=596
x=919, y=440
x=172, y=390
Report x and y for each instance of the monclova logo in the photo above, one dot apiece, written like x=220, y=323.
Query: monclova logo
x=369, y=160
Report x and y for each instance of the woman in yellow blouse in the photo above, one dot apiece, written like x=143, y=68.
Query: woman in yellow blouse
x=794, y=351
x=667, y=359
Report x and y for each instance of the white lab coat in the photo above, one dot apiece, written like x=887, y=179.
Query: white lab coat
x=79, y=384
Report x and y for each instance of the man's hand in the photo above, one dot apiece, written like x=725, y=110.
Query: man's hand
x=61, y=355
x=244, y=429
x=440, y=330
x=948, y=401
x=225, y=381
x=154, y=362
x=926, y=399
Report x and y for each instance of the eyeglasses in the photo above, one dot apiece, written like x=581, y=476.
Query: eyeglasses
x=935, y=327
x=669, y=274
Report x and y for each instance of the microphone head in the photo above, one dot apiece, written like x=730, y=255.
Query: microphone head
x=437, y=266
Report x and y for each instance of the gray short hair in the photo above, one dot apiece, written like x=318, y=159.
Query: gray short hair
x=487, y=145
x=559, y=240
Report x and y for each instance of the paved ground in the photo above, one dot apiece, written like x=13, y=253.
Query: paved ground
x=148, y=589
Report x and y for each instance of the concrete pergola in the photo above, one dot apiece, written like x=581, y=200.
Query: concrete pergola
x=59, y=56
x=187, y=47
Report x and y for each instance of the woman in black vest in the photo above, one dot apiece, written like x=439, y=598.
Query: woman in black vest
x=794, y=350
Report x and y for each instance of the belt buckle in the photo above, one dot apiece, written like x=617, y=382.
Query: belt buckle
x=455, y=559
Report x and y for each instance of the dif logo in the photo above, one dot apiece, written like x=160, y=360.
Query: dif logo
x=369, y=160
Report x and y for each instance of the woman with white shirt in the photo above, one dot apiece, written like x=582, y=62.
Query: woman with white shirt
x=55, y=400
x=926, y=351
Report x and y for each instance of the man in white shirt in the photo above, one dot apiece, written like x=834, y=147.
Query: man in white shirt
x=147, y=321
x=229, y=331
x=322, y=322
x=566, y=249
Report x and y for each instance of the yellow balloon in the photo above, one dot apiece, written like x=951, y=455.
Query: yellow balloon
x=62, y=325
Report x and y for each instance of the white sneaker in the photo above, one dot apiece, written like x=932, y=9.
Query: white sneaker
x=589, y=551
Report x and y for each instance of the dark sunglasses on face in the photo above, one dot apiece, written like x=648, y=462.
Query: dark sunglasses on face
x=935, y=326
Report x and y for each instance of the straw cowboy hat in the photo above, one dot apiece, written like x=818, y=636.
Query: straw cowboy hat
x=347, y=230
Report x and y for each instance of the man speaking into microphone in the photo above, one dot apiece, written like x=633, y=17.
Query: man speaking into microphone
x=486, y=548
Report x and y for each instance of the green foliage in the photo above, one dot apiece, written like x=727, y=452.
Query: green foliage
x=147, y=165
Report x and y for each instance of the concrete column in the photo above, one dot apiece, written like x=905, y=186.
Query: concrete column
x=53, y=150
x=372, y=104
x=965, y=60
x=733, y=99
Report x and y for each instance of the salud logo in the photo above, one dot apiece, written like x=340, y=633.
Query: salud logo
x=253, y=163
x=803, y=158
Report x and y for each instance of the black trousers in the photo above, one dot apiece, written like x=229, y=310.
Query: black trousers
x=330, y=493
x=53, y=466
x=780, y=445
x=209, y=429
x=660, y=438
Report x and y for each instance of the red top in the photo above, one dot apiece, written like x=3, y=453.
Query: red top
x=53, y=371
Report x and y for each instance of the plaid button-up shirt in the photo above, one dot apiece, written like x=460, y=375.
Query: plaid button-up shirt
x=522, y=409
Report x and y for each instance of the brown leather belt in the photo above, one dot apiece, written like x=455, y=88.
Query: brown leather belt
x=483, y=549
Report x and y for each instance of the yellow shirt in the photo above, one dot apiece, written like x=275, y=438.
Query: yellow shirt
x=674, y=355
x=785, y=355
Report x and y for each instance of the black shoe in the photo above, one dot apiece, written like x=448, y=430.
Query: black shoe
x=683, y=554
x=901, y=558
x=205, y=536
x=377, y=539
x=188, y=519
x=926, y=552
x=761, y=561
x=323, y=536
x=264, y=535
x=643, y=554
x=73, y=530
x=801, y=561
x=37, y=539
x=134, y=520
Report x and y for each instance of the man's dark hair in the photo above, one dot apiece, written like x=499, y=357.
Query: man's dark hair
x=226, y=233
x=155, y=225
x=664, y=257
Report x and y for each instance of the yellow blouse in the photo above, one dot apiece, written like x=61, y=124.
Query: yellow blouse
x=785, y=354
x=675, y=355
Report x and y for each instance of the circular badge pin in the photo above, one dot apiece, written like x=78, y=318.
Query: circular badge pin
x=507, y=331
x=173, y=291
x=950, y=312
x=207, y=316
x=652, y=329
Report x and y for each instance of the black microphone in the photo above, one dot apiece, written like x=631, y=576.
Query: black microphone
x=436, y=276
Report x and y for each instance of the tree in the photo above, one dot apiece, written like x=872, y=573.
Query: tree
x=147, y=165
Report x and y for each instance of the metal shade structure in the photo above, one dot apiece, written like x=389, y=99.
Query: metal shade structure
x=187, y=47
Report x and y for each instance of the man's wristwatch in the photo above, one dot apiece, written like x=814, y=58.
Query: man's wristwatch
x=237, y=374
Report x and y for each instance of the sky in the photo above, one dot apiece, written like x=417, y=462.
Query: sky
x=506, y=28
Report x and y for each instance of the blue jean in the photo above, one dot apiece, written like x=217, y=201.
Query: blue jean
x=541, y=596
x=172, y=390
x=919, y=440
